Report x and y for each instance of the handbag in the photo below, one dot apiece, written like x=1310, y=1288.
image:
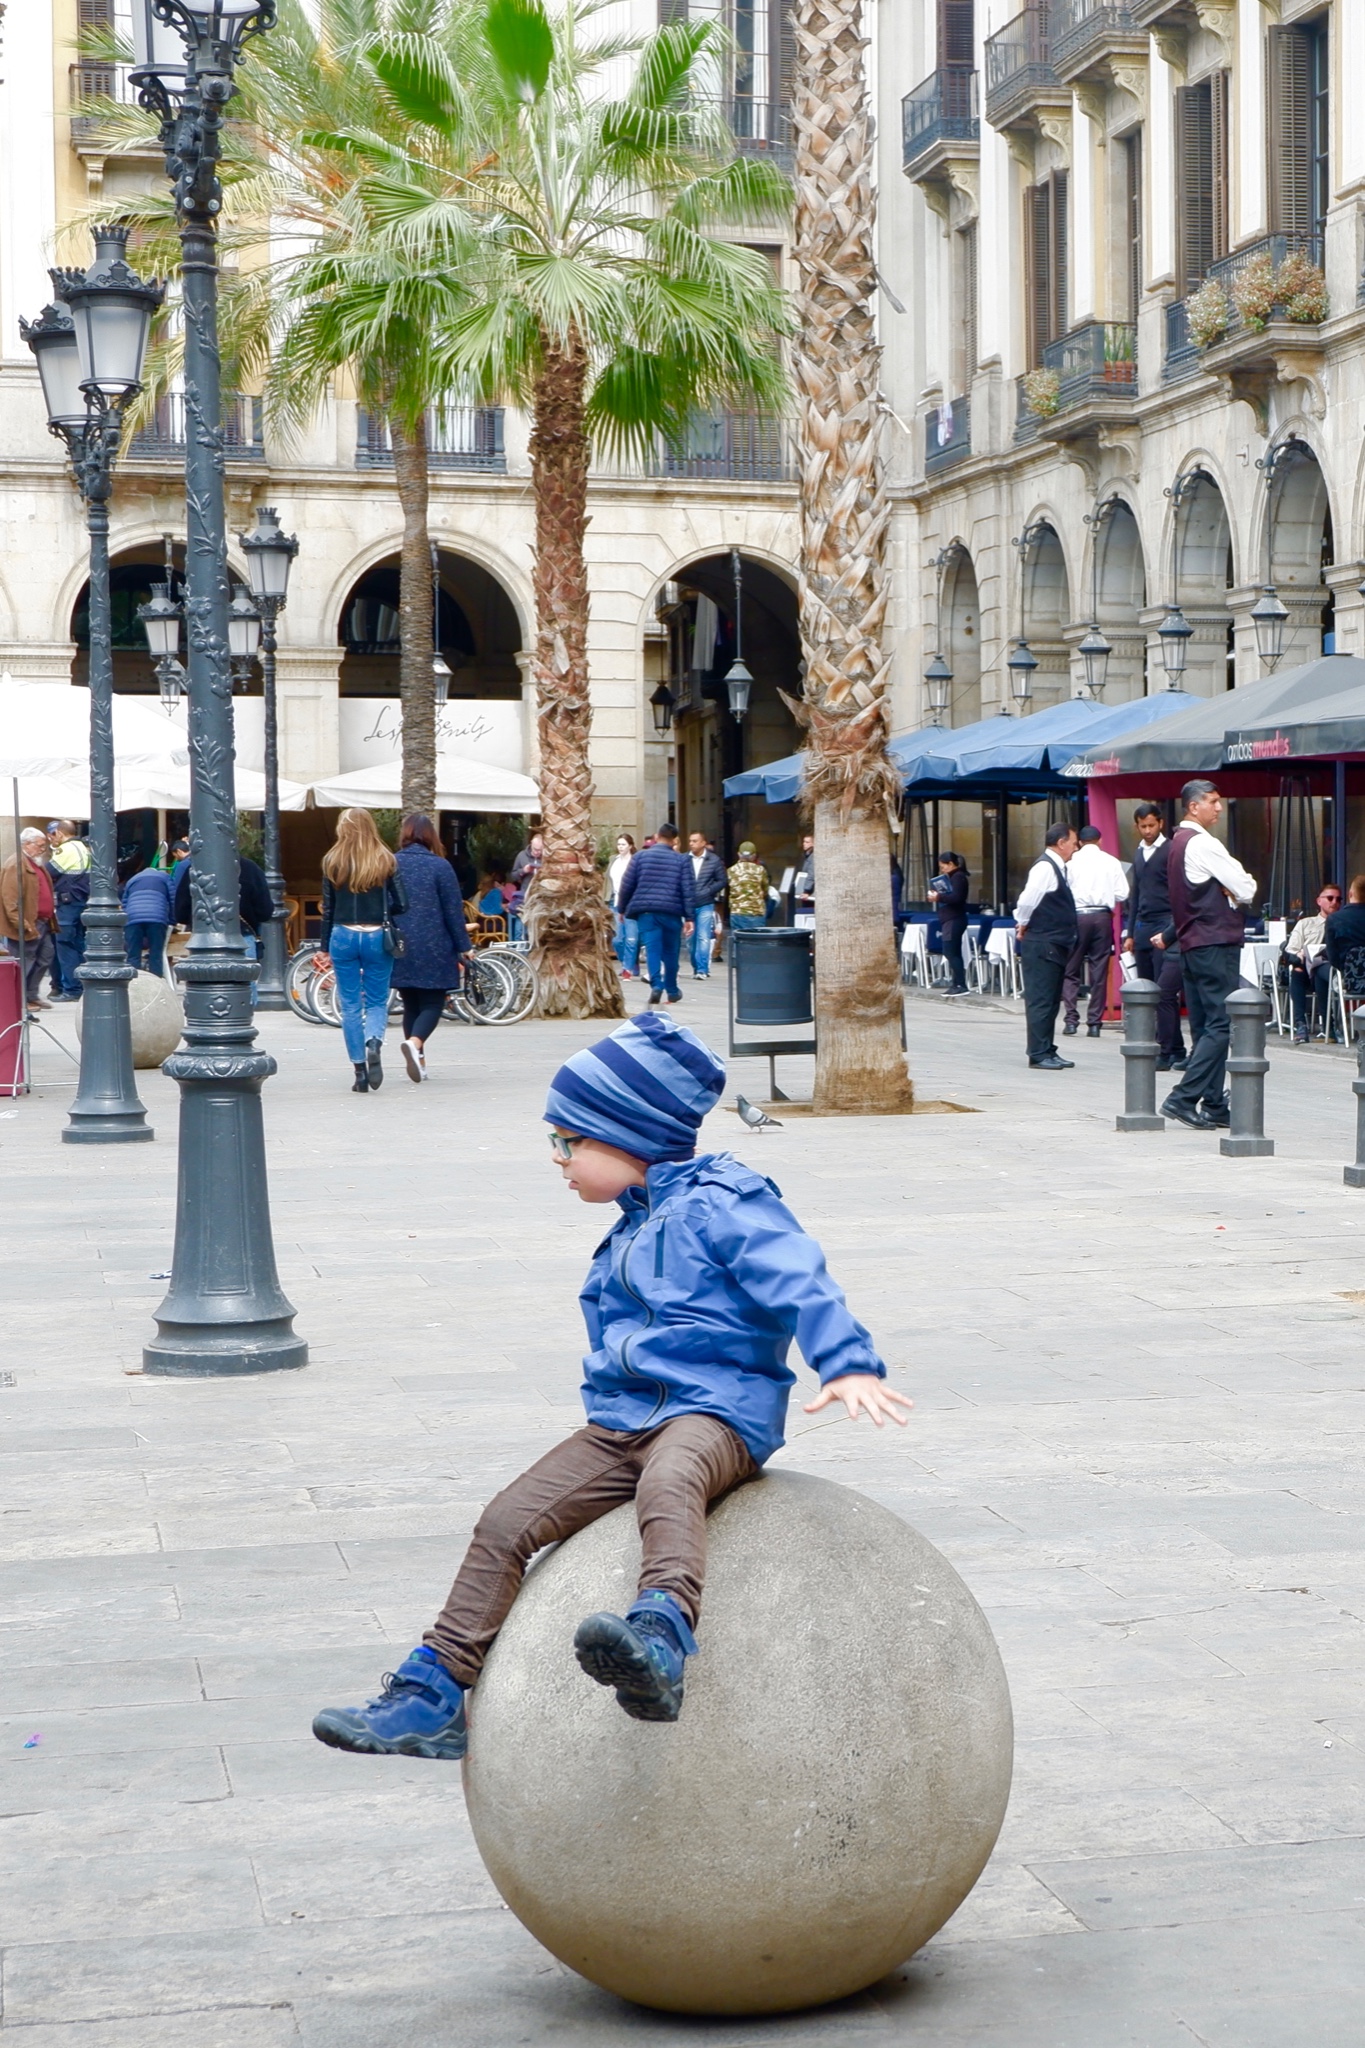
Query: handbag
x=395, y=945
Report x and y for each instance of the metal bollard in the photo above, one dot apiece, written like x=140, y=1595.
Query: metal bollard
x=1139, y=1049
x=1354, y=1176
x=1248, y=1013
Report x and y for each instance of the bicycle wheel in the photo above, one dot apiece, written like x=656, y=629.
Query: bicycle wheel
x=522, y=979
x=298, y=978
x=322, y=989
x=486, y=992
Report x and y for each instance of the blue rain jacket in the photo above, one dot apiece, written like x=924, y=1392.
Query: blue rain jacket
x=693, y=1300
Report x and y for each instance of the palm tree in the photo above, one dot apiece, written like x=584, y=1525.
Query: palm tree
x=849, y=781
x=336, y=300
x=602, y=296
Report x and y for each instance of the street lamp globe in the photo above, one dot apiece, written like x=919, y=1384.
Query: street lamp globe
x=111, y=310
x=269, y=555
x=244, y=627
x=162, y=28
x=661, y=703
x=938, y=683
x=1021, y=665
x=160, y=619
x=52, y=338
x=738, y=684
x=440, y=678
x=1175, y=633
x=1095, y=651
x=1269, y=616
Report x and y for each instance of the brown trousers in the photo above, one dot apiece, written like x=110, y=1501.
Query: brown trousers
x=672, y=1473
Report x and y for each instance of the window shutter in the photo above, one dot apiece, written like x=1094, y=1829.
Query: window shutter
x=1132, y=150
x=671, y=11
x=956, y=32
x=94, y=14
x=1061, y=284
x=1038, y=254
x=1220, y=161
x=968, y=276
x=1287, y=86
x=1194, y=183
x=782, y=48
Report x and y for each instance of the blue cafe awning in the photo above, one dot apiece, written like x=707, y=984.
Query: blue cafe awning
x=779, y=782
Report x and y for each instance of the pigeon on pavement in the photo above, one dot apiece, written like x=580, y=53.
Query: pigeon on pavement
x=756, y=1119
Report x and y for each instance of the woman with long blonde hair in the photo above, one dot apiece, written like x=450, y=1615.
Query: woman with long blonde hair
x=362, y=893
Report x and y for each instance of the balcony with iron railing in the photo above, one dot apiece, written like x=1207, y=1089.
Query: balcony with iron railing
x=1248, y=280
x=90, y=87
x=1020, y=73
x=939, y=119
x=760, y=127
x=1085, y=31
x=1093, y=367
x=947, y=435
x=458, y=437
x=740, y=447
x=163, y=437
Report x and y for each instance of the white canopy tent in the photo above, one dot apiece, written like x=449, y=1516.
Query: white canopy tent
x=45, y=746
x=461, y=785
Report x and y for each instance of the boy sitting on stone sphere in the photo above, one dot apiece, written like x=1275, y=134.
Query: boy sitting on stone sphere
x=691, y=1303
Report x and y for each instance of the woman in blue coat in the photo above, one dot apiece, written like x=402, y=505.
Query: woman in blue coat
x=434, y=934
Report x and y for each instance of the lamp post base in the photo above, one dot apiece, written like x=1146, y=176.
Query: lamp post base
x=183, y=1351
x=106, y=1110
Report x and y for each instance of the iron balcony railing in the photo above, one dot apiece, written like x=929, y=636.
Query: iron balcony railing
x=163, y=438
x=760, y=126
x=947, y=435
x=1098, y=360
x=943, y=108
x=91, y=83
x=1019, y=64
x=1182, y=356
x=1081, y=26
x=742, y=447
x=458, y=437
x=1026, y=420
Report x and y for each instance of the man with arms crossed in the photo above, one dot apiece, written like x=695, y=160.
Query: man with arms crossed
x=1046, y=928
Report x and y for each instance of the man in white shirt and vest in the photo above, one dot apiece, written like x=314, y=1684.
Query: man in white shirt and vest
x=1045, y=926
x=1209, y=891
x=1097, y=883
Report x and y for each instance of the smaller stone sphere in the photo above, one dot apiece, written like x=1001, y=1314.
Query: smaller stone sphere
x=828, y=1799
x=156, y=1016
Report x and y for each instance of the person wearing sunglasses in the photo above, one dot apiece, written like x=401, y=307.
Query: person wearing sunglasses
x=692, y=1302
x=1310, y=973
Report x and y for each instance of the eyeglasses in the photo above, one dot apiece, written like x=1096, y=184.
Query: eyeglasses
x=562, y=1147
x=1331, y=895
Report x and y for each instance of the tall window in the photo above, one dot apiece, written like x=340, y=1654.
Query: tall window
x=956, y=32
x=1297, y=124
x=758, y=66
x=1045, y=253
x=965, y=289
x=1132, y=220
x=1202, y=138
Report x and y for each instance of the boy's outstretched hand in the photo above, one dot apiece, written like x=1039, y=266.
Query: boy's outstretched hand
x=863, y=1393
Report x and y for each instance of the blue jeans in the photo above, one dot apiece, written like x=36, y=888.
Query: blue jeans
x=627, y=943
x=748, y=924
x=138, y=934
x=70, y=946
x=363, y=971
x=703, y=933
x=663, y=945
x=253, y=952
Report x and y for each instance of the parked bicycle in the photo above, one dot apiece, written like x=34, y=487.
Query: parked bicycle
x=499, y=987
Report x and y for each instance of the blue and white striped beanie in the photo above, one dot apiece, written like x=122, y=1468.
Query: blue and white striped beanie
x=645, y=1089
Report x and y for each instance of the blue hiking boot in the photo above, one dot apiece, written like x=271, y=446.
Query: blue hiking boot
x=419, y=1713
x=642, y=1657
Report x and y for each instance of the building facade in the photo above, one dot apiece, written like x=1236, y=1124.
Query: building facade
x=1122, y=249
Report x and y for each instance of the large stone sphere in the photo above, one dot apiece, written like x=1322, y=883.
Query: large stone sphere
x=156, y=1016
x=828, y=1798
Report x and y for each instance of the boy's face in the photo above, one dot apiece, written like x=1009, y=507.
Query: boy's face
x=595, y=1172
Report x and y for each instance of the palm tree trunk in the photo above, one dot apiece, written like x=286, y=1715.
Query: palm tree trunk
x=850, y=784
x=415, y=682
x=567, y=918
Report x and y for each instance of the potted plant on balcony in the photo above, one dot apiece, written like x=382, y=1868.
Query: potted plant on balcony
x=1207, y=313
x=1043, y=392
x=1120, y=356
x=1301, y=288
x=1255, y=293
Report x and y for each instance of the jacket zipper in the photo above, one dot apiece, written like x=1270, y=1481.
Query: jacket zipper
x=649, y=1313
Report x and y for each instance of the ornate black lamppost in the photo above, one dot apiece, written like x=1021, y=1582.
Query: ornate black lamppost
x=90, y=353
x=1022, y=663
x=1270, y=615
x=738, y=681
x=269, y=558
x=225, y=1311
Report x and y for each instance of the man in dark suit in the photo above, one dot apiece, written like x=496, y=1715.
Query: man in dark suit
x=1151, y=930
x=1046, y=928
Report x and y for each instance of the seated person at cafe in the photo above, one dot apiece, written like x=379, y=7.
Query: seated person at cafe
x=1310, y=976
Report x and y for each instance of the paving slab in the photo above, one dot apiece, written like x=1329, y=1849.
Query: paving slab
x=1140, y=1385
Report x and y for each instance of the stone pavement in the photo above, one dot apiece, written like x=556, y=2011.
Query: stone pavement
x=1140, y=1390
